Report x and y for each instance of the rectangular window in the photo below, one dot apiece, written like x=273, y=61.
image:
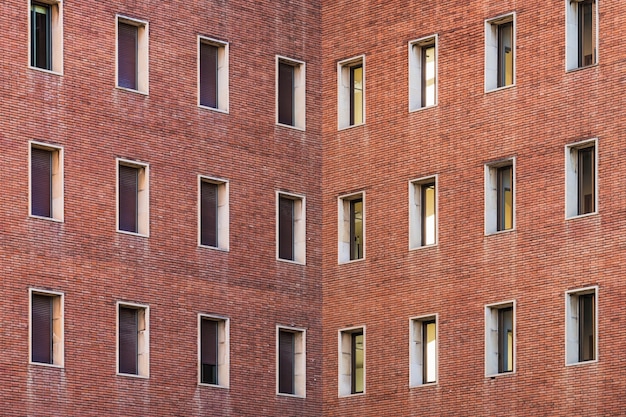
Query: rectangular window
x=422, y=73
x=580, y=176
x=132, y=340
x=499, y=338
x=499, y=196
x=214, y=351
x=581, y=33
x=46, y=181
x=132, y=54
x=290, y=92
x=422, y=212
x=291, y=362
x=46, y=327
x=213, y=213
x=46, y=37
x=291, y=231
x=351, y=228
x=351, y=94
x=132, y=197
x=423, y=351
x=581, y=325
x=351, y=361
x=213, y=74
x=500, y=52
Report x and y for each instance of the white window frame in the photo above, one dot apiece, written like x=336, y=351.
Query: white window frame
x=491, y=51
x=343, y=227
x=492, y=338
x=223, y=212
x=571, y=35
x=344, y=377
x=299, y=360
x=143, y=60
x=58, y=188
x=571, y=177
x=416, y=71
x=223, y=350
x=223, y=89
x=299, y=91
x=571, y=325
x=491, y=195
x=415, y=212
x=143, y=196
x=143, y=339
x=343, y=91
x=299, y=227
x=416, y=350
x=56, y=34
x=58, y=327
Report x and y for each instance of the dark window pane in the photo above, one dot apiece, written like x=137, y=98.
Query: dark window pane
x=505, y=339
x=586, y=322
x=41, y=330
x=586, y=180
x=286, y=94
x=41, y=182
x=286, y=362
x=208, y=75
x=40, y=50
x=127, y=55
x=358, y=361
x=356, y=95
x=505, y=54
x=128, y=327
x=356, y=229
x=586, y=33
x=208, y=352
x=505, y=197
x=285, y=228
x=128, y=178
x=208, y=213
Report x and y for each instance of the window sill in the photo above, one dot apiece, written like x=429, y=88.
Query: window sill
x=500, y=232
x=418, y=109
x=133, y=376
x=124, y=232
x=204, y=384
x=217, y=248
x=434, y=245
x=349, y=127
x=130, y=90
x=506, y=87
x=426, y=385
x=567, y=70
x=215, y=109
x=360, y=394
x=301, y=129
x=47, y=71
x=289, y=261
x=500, y=375
x=282, y=394
x=51, y=219
x=582, y=216
x=47, y=365
x=351, y=261
x=582, y=363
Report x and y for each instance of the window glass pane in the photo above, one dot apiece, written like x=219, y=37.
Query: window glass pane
x=356, y=229
x=41, y=182
x=208, y=214
x=286, y=93
x=505, y=198
x=358, y=358
x=40, y=36
x=356, y=95
x=128, y=189
x=285, y=228
x=209, y=341
x=430, y=351
x=505, y=339
x=127, y=55
x=428, y=214
x=586, y=180
x=41, y=331
x=128, y=327
x=286, y=363
x=587, y=327
x=208, y=75
x=586, y=33
x=505, y=54
x=428, y=75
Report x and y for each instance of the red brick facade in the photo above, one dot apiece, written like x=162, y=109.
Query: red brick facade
x=537, y=266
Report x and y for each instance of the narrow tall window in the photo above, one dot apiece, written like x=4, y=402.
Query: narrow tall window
x=132, y=54
x=213, y=213
x=505, y=54
x=580, y=178
x=46, y=328
x=286, y=95
x=356, y=229
x=505, y=197
x=423, y=73
x=132, y=340
x=41, y=35
x=500, y=52
x=586, y=33
x=352, y=361
x=213, y=351
x=285, y=228
x=212, y=74
x=132, y=197
x=351, y=94
x=46, y=181
x=423, y=351
x=581, y=325
x=422, y=212
x=499, y=338
x=291, y=361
